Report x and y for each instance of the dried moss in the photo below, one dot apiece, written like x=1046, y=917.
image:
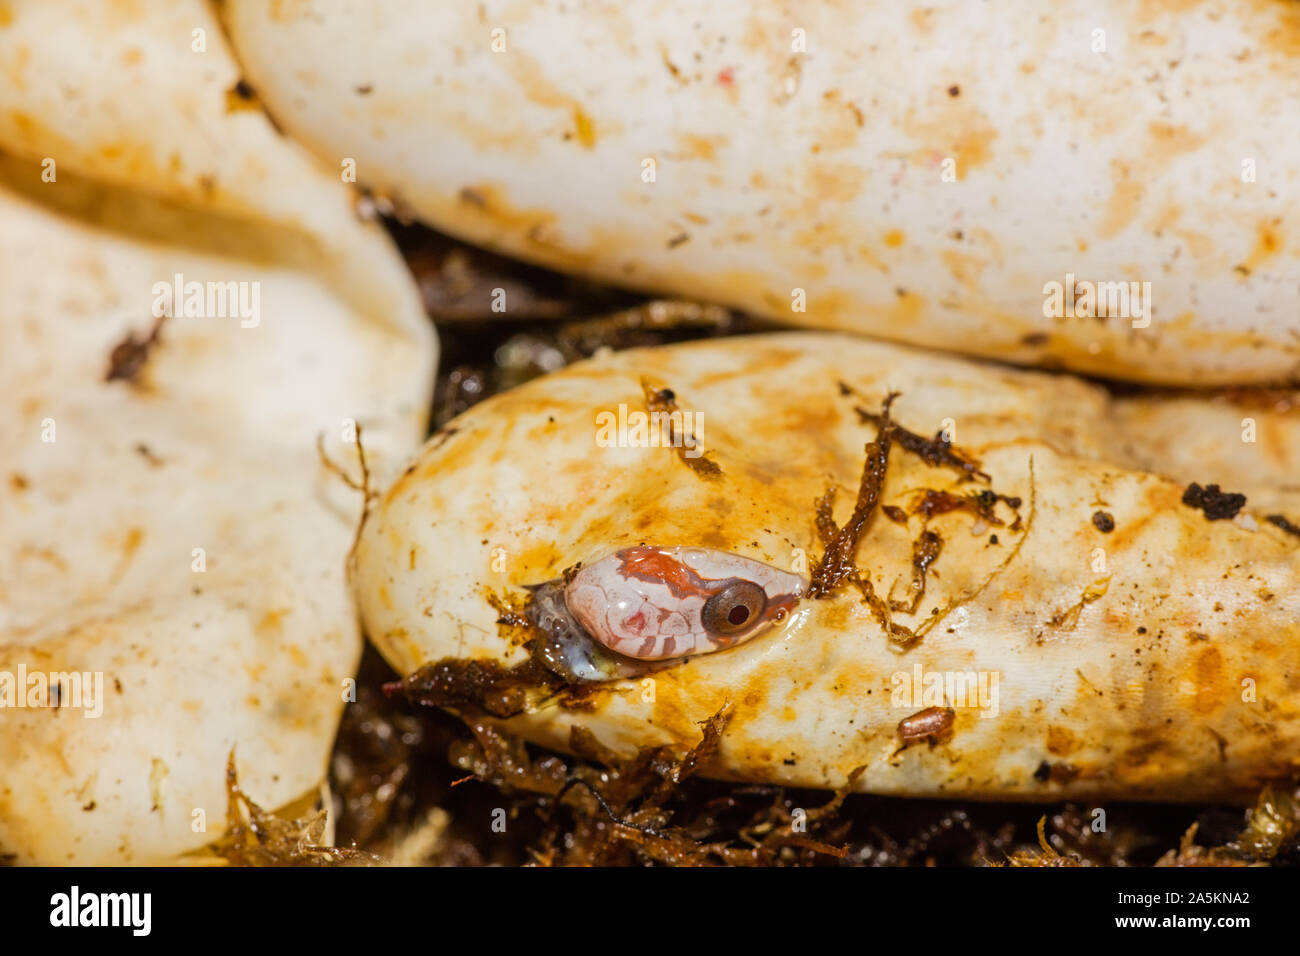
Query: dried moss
x=255, y=837
x=838, y=564
x=398, y=761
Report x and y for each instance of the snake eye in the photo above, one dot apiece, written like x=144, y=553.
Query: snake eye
x=733, y=609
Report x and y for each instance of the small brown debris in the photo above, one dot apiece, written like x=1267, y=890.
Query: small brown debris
x=145, y=452
x=671, y=66
x=934, y=451
x=930, y=503
x=934, y=724
x=128, y=358
x=925, y=551
x=663, y=402
x=1282, y=522
x=368, y=493
x=895, y=514
x=1217, y=505
x=1068, y=619
x=241, y=96
x=1056, y=772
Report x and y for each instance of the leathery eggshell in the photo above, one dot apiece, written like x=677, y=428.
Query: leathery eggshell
x=168, y=531
x=1120, y=642
x=941, y=175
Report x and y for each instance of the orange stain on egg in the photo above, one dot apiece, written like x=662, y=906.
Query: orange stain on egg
x=974, y=149
x=1268, y=242
x=702, y=147
x=1124, y=202
x=1208, y=680
x=586, y=129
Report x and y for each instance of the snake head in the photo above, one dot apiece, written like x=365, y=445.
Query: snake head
x=654, y=604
